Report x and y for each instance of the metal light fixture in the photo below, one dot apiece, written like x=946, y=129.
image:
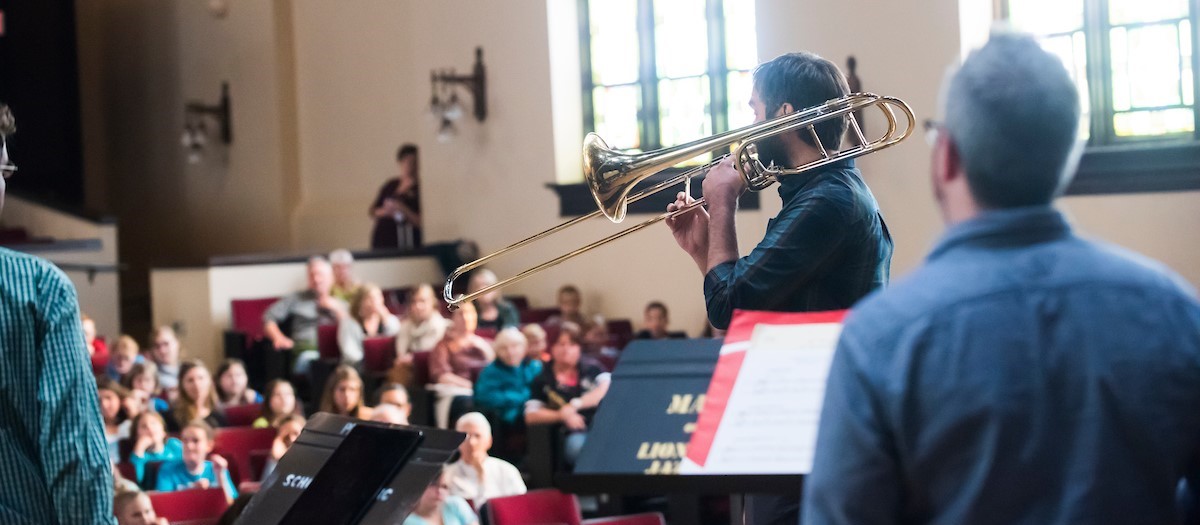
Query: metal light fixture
x=195, y=131
x=444, y=103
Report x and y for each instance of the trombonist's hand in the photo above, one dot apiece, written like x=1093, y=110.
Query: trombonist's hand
x=690, y=230
x=723, y=185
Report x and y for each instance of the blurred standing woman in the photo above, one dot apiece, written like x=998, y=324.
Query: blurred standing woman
x=397, y=208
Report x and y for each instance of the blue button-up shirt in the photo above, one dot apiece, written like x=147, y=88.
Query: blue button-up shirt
x=53, y=458
x=827, y=248
x=1022, y=375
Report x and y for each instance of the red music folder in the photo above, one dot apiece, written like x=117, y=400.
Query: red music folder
x=763, y=404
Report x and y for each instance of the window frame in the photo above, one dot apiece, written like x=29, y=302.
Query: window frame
x=1114, y=165
x=649, y=114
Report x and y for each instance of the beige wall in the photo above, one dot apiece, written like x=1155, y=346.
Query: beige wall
x=300, y=175
x=99, y=292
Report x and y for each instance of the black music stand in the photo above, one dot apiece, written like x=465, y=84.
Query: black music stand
x=303, y=465
x=650, y=405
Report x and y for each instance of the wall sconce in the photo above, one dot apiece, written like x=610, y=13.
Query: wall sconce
x=195, y=131
x=445, y=103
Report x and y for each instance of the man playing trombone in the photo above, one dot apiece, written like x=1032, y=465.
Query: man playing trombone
x=828, y=246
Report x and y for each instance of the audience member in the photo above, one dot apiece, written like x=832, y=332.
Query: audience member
x=116, y=426
x=280, y=402
x=345, y=284
x=654, y=323
x=343, y=394
x=124, y=355
x=199, y=467
x=151, y=443
x=495, y=312
x=394, y=394
x=1023, y=374
x=397, y=208
x=303, y=312
x=142, y=382
x=233, y=386
x=52, y=454
x=165, y=352
x=422, y=328
x=453, y=360
x=369, y=317
x=535, y=338
x=567, y=391
x=438, y=506
x=503, y=386
x=389, y=413
x=133, y=508
x=570, y=302
x=96, y=346
x=289, y=428
x=596, y=343
x=197, y=399
x=476, y=476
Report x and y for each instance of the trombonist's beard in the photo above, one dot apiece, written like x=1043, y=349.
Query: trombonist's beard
x=772, y=151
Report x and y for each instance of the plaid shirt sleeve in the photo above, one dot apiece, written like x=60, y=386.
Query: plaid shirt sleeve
x=71, y=444
x=797, y=243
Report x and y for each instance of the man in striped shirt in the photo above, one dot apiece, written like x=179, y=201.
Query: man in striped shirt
x=53, y=460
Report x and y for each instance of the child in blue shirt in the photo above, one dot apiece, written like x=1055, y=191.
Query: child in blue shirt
x=193, y=470
x=152, y=444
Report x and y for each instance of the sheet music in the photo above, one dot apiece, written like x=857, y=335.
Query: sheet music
x=770, y=422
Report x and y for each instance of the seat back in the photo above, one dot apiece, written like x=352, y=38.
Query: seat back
x=538, y=315
x=246, y=316
x=327, y=342
x=379, y=353
x=647, y=518
x=243, y=415
x=420, y=368
x=189, y=504
x=486, y=332
x=535, y=507
x=620, y=332
x=519, y=301
x=237, y=444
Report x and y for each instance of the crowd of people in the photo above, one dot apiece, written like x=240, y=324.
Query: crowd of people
x=478, y=365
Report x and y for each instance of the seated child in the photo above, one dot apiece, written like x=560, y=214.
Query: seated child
x=196, y=469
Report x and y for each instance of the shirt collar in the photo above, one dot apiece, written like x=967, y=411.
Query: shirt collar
x=790, y=185
x=1006, y=227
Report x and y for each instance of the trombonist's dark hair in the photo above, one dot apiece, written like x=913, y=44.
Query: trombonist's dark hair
x=803, y=80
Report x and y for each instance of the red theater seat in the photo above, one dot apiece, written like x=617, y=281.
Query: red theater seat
x=247, y=316
x=242, y=415
x=537, y=506
x=379, y=353
x=327, y=342
x=488, y=332
x=189, y=505
x=538, y=315
x=237, y=445
x=620, y=332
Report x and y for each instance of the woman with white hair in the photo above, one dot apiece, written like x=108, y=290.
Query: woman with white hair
x=476, y=475
x=503, y=386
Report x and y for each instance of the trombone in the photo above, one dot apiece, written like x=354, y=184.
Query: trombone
x=612, y=174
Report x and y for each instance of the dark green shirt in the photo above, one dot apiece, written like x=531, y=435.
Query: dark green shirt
x=53, y=456
x=827, y=248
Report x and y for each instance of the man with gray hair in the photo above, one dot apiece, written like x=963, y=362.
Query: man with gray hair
x=302, y=312
x=1022, y=374
x=53, y=459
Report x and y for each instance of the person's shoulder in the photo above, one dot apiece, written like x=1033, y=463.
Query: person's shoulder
x=503, y=467
x=17, y=267
x=1112, y=263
